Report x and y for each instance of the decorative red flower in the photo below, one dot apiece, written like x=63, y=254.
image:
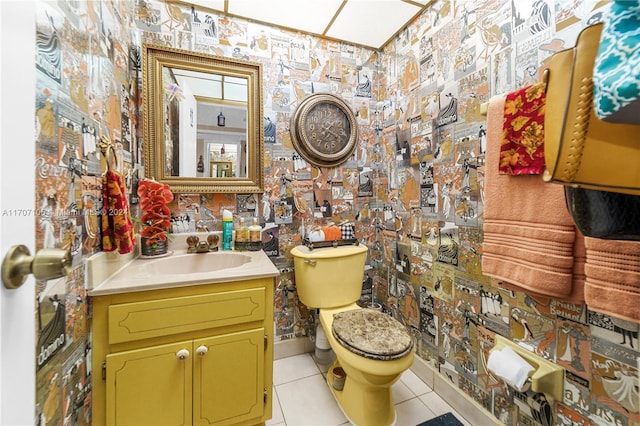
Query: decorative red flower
x=154, y=197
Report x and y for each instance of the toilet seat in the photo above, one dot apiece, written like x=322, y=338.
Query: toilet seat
x=371, y=334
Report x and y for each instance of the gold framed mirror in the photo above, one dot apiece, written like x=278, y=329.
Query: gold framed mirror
x=200, y=111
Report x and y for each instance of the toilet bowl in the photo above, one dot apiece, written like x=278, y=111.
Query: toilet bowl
x=372, y=348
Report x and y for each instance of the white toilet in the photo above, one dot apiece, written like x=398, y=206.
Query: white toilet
x=373, y=348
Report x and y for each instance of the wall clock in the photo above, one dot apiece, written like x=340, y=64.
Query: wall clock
x=324, y=130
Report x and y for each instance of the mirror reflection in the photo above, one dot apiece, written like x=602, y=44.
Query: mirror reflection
x=206, y=118
x=202, y=116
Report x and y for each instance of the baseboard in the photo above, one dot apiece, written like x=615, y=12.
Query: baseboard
x=462, y=403
x=292, y=347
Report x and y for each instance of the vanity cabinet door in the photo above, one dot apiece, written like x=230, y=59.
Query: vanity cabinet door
x=151, y=386
x=138, y=337
x=228, y=382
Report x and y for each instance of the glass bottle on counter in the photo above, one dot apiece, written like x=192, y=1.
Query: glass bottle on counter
x=255, y=236
x=242, y=235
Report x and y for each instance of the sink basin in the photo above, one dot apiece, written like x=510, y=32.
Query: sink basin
x=195, y=263
x=181, y=269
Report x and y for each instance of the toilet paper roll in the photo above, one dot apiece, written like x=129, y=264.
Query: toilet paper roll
x=510, y=367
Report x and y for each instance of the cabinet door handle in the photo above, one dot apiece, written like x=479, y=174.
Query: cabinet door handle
x=182, y=354
x=202, y=350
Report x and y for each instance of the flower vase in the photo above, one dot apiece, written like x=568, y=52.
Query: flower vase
x=157, y=248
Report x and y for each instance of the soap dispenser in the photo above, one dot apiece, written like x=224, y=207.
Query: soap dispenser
x=242, y=235
x=255, y=236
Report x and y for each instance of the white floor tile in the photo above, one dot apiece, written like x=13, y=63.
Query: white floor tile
x=401, y=392
x=436, y=404
x=277, y=418
x=309, y=401
x=417, y=386
x=412, y=412
x=301, y=396
x=293, y=368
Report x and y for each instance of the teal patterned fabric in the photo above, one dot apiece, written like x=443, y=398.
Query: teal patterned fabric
x=616, y=75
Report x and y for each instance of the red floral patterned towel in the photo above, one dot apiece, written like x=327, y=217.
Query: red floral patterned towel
x=522, y=147
x=117, y=227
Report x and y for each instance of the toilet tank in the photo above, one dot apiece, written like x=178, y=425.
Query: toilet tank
x=329, y=277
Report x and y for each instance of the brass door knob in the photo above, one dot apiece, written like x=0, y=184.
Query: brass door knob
x=47, y=264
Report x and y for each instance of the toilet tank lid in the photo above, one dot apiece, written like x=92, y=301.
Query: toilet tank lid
x=327, y=252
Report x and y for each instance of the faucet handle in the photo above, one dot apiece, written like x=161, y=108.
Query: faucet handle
x=192, y=241
x=213, y=240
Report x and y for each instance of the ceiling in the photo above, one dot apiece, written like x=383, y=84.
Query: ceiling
x=369, y=23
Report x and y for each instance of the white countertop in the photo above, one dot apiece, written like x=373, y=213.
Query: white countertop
x=141, y=274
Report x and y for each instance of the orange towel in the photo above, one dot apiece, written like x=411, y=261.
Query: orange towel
x=576, y=296
x=579, y=277
x=522, y=147
x=528, y=232
x=613, y=277
x=117, y=227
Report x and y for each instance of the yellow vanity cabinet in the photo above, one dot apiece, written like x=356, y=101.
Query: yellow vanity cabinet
x=193, y=355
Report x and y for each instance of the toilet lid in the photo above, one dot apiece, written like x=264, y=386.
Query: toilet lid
x=371, y=334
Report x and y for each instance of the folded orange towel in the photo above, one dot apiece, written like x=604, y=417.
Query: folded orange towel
x=579, y=277
x=563, y=234
x=612, y=275
x=576, y=295
x=522, y=147
x=528, y=232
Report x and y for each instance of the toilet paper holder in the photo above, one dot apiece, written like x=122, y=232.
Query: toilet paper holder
x=547, y=377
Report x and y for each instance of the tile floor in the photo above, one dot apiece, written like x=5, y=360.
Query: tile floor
x=302, y=397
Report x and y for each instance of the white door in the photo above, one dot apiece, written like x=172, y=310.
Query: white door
x=17, y=218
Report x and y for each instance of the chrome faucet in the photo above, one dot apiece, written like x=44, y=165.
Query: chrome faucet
x=197, y=246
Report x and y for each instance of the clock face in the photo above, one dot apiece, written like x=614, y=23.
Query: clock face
x=324, y=130
x=326, y=127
